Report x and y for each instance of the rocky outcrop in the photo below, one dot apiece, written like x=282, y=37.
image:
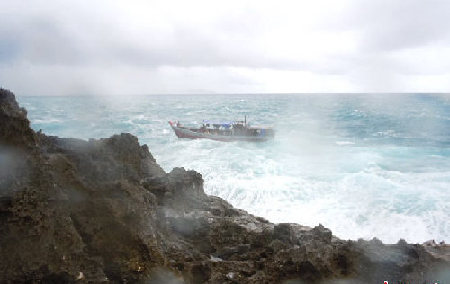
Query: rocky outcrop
x=104, y=211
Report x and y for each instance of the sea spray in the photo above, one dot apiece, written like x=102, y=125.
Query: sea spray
x=362, y=165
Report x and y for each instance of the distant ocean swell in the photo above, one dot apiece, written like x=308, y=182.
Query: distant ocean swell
x=354, y=163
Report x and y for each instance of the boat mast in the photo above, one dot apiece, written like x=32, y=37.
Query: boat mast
x=245, y=120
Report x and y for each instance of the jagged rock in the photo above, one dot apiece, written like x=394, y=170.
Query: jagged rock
x=15, y=130
x=105, y=211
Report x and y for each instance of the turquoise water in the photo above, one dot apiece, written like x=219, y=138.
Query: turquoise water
x=363, y=165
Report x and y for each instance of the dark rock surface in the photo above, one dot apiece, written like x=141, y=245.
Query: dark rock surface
x=105, y=211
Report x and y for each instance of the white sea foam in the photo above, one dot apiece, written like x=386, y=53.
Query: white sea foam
x=346, y=190
x=341, y=143
x=324, y=166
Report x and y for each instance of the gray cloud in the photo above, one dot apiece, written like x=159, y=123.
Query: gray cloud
x=351, y=45
x=390, y=25
x=47, y=41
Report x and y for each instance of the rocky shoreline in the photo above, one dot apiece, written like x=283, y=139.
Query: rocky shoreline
x=105, y=211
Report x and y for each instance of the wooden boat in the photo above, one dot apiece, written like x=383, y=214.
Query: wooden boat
x=224, y=131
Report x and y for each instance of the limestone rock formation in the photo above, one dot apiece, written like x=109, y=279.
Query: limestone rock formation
x=105, y=211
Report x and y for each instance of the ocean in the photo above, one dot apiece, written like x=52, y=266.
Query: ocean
x=363, y=165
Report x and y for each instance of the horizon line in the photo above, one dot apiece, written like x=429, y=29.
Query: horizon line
x=237, y=94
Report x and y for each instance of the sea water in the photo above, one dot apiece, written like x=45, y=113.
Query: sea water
x=363, y=165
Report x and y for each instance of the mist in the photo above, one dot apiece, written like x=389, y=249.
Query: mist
x=356, y=92
x=345, y=161
x=13, y=164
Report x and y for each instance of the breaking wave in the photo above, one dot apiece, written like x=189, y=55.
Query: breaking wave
x=354, y=163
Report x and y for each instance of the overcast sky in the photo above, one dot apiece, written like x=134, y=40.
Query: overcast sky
x=55, y=47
